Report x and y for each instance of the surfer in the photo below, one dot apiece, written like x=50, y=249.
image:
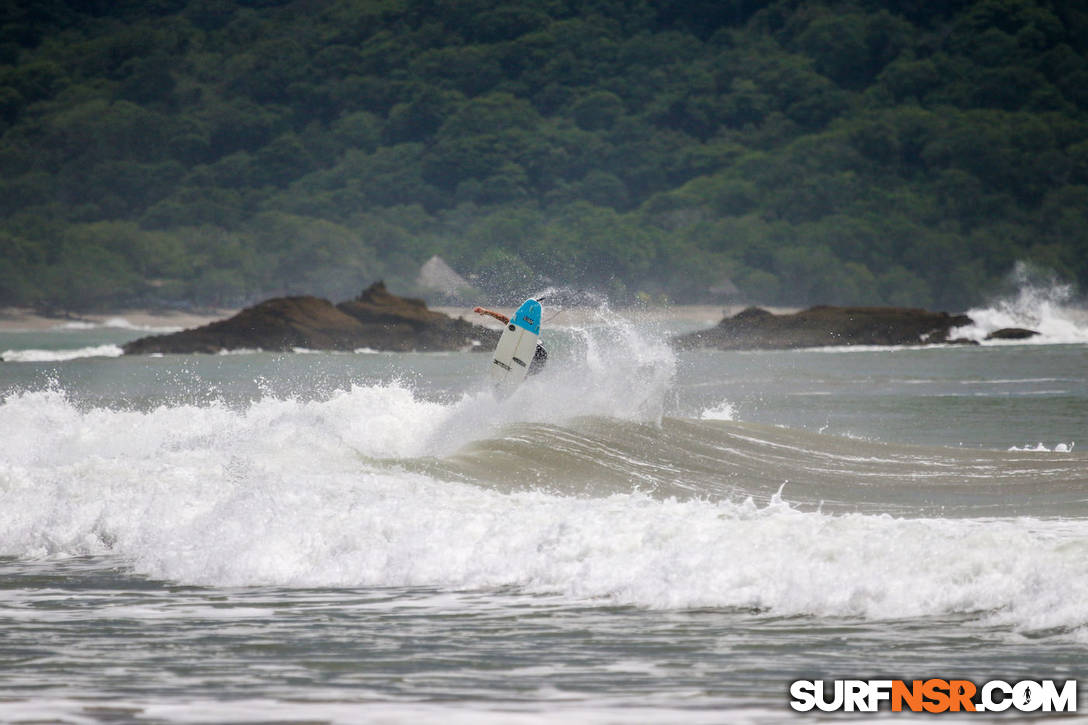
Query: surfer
x=540, y=356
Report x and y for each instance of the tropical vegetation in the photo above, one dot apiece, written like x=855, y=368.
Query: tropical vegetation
x=214, y=152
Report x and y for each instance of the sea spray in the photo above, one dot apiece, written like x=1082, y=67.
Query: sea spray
x=724, y=410
x=604, y=366
x=1040, y=303
x=627, y=367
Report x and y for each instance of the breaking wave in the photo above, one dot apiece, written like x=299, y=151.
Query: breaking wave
x=371, y=487
x=114, y=323
x=1042, y=305
x=37, y=356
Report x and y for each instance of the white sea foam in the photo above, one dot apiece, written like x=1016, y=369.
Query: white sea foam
x=290, y=493
x=117, y=323
x=61, y=355
x=1042, y=305
x=241, y=351
x=722, y=411
x=1040, y=448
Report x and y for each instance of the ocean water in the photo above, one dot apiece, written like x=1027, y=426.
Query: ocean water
x=636, y=535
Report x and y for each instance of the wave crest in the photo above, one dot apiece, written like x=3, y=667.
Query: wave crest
x=1040, y=303
x=34, y=356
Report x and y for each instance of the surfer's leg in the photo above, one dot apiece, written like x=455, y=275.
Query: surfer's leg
x=540, y=356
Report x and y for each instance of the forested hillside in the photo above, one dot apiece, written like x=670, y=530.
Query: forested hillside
x=219, y=151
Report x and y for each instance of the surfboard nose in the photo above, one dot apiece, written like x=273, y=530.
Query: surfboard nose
x=528, y=316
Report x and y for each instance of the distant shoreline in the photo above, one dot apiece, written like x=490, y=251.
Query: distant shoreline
x=572, y=316
x=13, y=319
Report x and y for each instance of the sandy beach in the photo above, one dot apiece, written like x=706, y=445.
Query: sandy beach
x=14, y=319
x=17, y=318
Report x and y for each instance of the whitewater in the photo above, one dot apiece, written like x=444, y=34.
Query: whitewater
x=637, y=535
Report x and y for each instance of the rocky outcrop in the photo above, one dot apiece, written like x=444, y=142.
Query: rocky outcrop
x=404, y=323
x=376, y=319
x=758, y=329
x=1011, y=333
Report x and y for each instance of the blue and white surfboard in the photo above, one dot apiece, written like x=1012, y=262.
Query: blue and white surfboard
x=514, y=353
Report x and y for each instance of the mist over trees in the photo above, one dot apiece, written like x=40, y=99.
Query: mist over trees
x=219, y=151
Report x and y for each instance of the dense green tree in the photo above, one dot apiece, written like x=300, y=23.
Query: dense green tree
x=221, y=150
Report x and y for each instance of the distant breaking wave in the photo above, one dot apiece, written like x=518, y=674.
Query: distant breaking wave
x=37, y=356
x=117, y=323
x=1045, y=306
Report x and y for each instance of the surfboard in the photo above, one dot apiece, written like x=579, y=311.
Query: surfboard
x=514, y=353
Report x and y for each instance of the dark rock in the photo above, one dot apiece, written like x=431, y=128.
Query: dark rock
x=758, y=329
x=753, y=313
x=376, y=319
x=1011, y=333
x=404, y=323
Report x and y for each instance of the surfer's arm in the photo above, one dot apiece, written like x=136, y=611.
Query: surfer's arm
x=497, y=315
